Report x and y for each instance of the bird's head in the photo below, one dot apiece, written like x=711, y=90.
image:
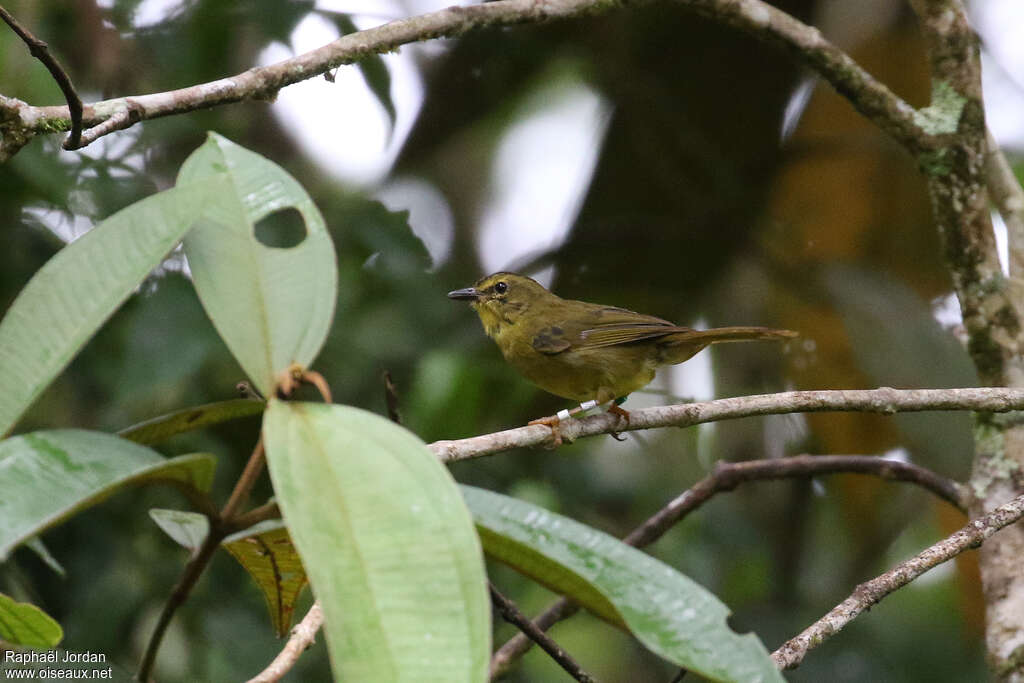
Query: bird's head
x=500, y=299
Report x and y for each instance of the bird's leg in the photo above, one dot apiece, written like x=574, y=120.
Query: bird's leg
x=554, y=422
x=616, y=409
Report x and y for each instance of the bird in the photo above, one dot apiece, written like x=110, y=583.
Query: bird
x=589, y=353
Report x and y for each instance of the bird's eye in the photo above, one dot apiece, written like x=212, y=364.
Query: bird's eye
x=501, y=287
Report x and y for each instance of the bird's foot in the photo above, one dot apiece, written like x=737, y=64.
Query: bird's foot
x=623, y=414
x=554, y=423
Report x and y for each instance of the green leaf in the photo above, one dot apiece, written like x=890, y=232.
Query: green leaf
x=387, y=542
x=671, y=615
x=272, y=306
x=67, y=300
x=266, y=552
x=27, y=625
x=159, y=429
x=48, y=476
x=188, y=529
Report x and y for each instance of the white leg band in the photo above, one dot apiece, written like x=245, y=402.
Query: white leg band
x=562, y=414
x=587, y=405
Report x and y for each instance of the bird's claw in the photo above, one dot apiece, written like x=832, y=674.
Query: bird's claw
x=623, y=414
x=553, y=423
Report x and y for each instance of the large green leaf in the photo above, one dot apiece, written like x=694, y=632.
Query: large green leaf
x=387, y=542
x=272, y=306
x=267, y=553
x=67, y=300
x=669, y=613
x=47, y=476
x=161, y=428
x=27, y=625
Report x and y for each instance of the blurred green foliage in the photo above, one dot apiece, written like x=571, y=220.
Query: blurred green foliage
x=696, y=211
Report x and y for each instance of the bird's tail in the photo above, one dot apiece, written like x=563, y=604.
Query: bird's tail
x=684, y=345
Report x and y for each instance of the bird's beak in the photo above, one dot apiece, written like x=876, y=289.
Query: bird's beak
x=468, y=294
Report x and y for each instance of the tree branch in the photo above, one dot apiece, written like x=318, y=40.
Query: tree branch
x=193, y=570
x=726, y=477
x=883, y=400
x=869, y=96
x=807, y=45
x=302, y=637
x=510, y=613
x=791, y=653
x=41, y=51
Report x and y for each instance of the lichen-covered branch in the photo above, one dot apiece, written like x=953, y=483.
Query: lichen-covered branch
x=883, y=400
x=992, y=307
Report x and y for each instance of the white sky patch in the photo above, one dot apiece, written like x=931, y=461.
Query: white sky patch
x=152, y=12
x=542, y=169
x=430, y=217
x=782, y=431
x=999, y=22
x=1002, y=242
x=66, y=228
x=796, y=106
x=897, y=455
x=693, y=379
x=946, y=310
x=342, y=125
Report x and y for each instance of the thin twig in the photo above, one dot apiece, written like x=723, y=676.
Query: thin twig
x=124, y=117
x=510, y=613
x=791, y=653
x=193, y=570
x=245, y=482
x=220, y=526
x=518, y=645
x=807, y=45
x=884, y=400
x=254, y=516
x=302, y=637
x=726, y=477
x=41, y=51
x=391, y=398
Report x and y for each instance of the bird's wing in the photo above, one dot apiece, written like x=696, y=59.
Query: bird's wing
x=601, y=326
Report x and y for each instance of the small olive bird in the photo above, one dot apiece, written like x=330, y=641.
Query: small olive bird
x=582, y=351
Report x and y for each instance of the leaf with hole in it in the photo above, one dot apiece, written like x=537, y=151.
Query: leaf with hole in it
x=48, y=476
x=671, y=615
x=272, y=306
x=67, y=300
x=187, y=529
x=159, y=429
x=266, y=552
x=387, y=542
x=27, y=625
